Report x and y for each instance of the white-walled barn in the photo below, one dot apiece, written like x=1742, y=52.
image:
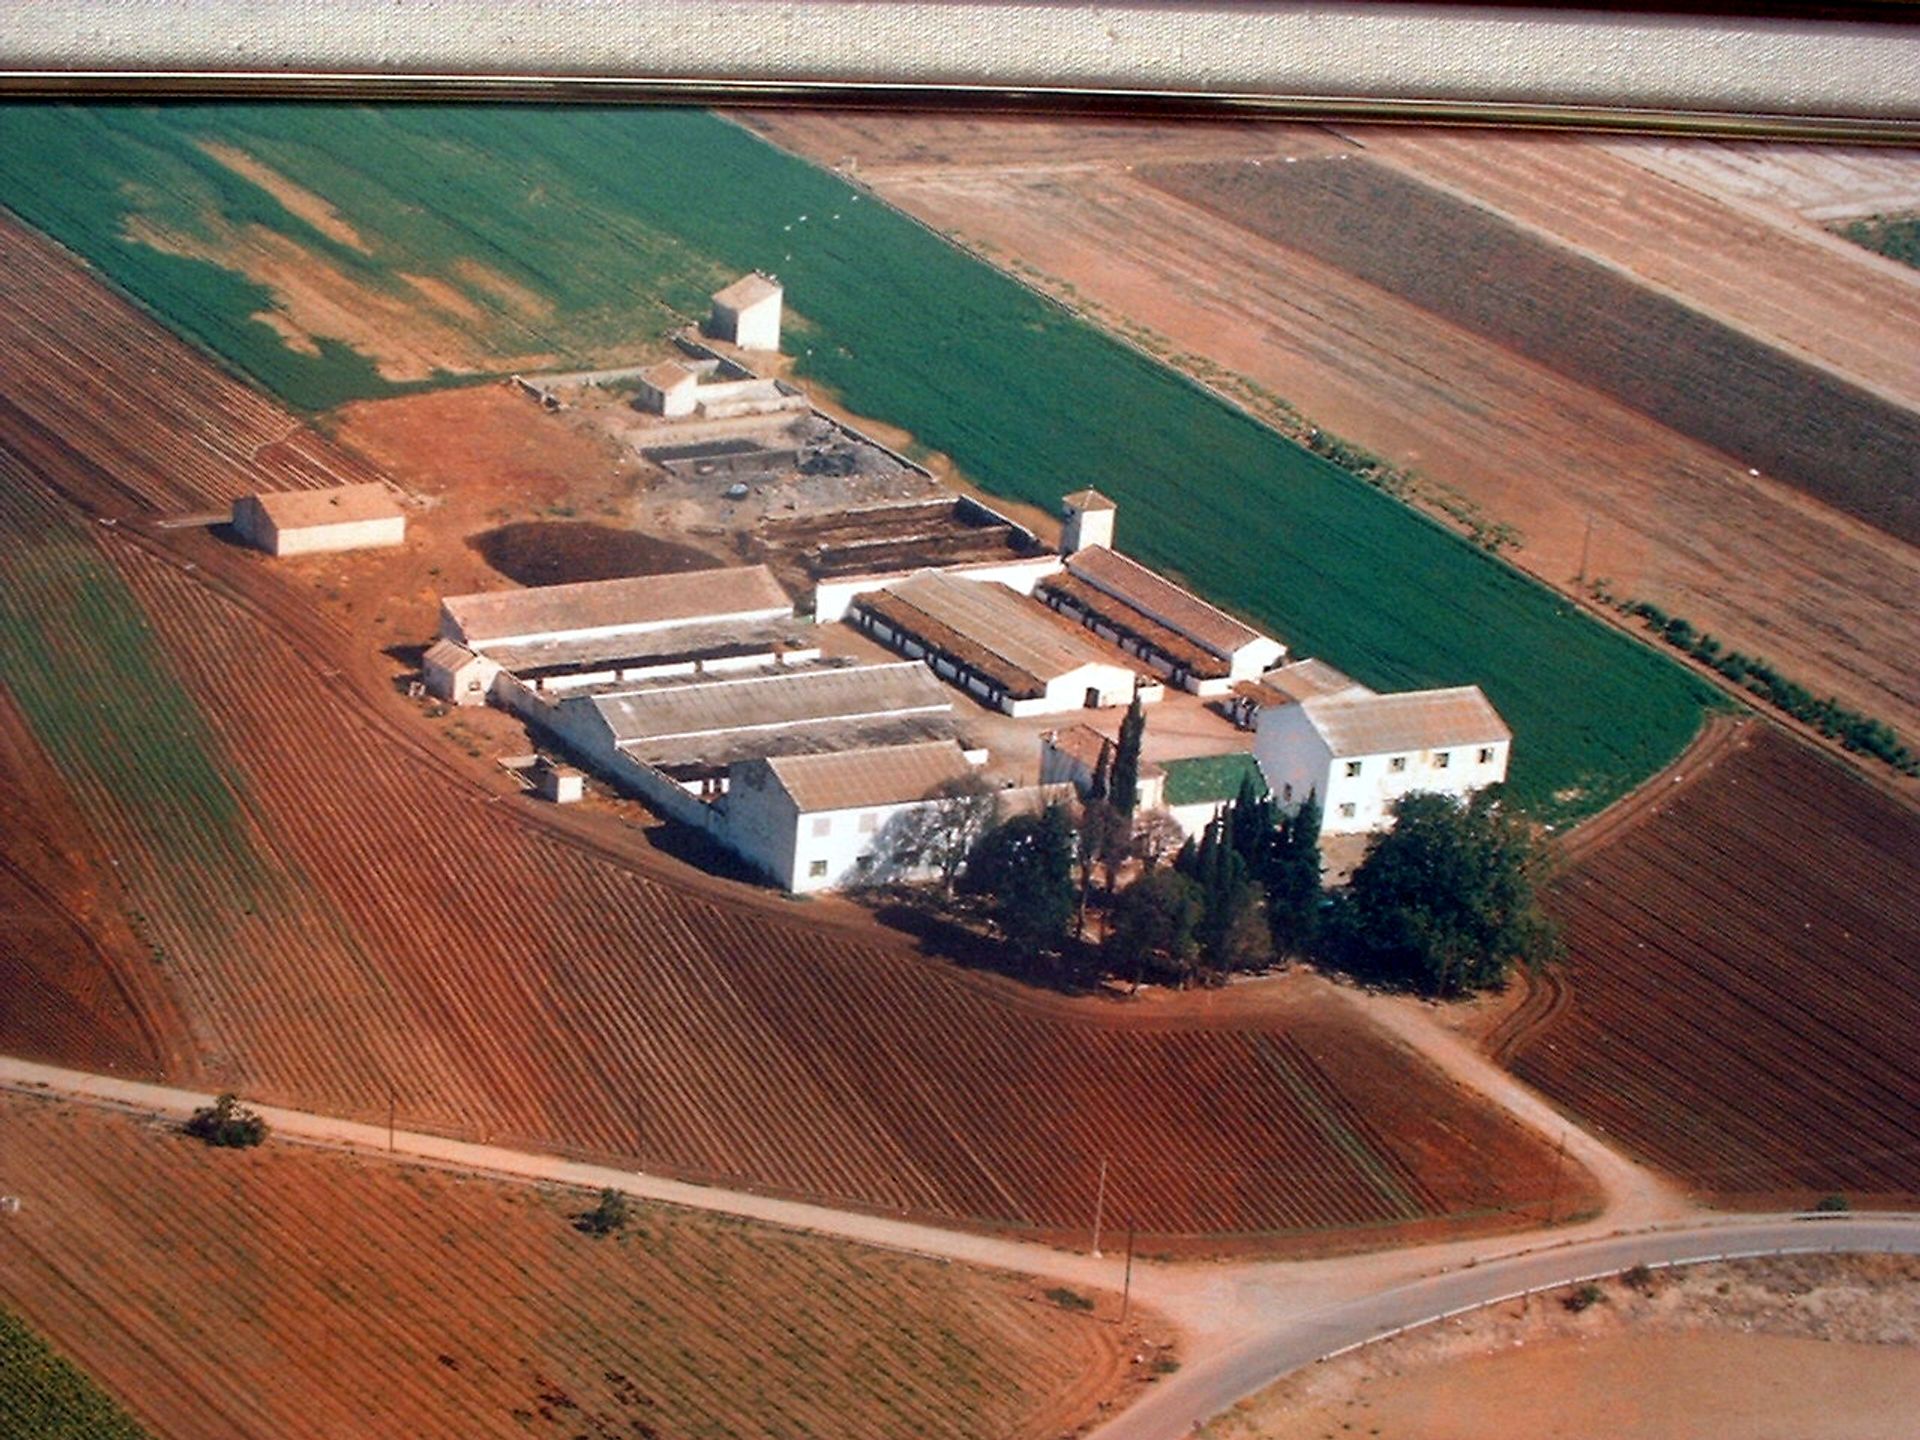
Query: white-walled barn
x=815, y=822
x=1000, y=646
x=1361, y=752
x=747, y=312
x=1197, y=646
x=308, y=522
x=602, y=609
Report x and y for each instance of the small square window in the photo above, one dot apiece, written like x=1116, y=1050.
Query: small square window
x=869, y=822
x=1397, y=763
x=822, y=825
x=1353, y=768
x=817, y=870
x=1346, y=811
x=1441, y=759
x=1486, y=754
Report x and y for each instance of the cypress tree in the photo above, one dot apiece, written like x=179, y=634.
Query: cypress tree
x=1126, y=759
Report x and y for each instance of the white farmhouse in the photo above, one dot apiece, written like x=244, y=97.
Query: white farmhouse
x=1360, y=752
x=308, y=522
x=813, y=822
x=747, y=312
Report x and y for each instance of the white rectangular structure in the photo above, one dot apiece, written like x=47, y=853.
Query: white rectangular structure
x=813, y=822
x=669, y=389
x=1358, y=753
x=742, y=594
x=308, y=522
x=1246, y=652
x=1003, y=647
x=747, y=312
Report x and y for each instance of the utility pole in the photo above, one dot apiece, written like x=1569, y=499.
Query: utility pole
x=1099, y=1206
x=1126, y=1289
x=1553, y=1195
x=1585, y=542
x=393, y=1103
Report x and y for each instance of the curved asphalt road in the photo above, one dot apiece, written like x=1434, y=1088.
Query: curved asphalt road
x=1211, y=1385
x=1247, y=1324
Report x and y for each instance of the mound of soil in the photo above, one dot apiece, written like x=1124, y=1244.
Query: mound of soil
x=553, y=552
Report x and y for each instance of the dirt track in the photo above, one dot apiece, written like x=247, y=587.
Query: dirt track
x=1665, y=518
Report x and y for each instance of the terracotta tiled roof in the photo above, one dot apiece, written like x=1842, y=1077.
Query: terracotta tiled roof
x=1204, y=624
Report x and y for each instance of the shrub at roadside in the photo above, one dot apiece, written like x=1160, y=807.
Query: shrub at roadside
x=227, y=1123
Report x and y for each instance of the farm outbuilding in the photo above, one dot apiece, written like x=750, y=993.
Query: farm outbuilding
x=747, y=312
x=1072, y=755
x=669, y=389
x=1121, y=596
x=1291, y=683
x=1004, y=648
x=308, y=522
x=1361, y=752
x=454, y=673
x=599, y=609
x=817, y=822
x=1089, y=518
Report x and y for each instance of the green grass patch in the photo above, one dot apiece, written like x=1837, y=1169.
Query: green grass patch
x=623, y=219
x=43, y=1396
x=1895, y=236
x=1204, y=778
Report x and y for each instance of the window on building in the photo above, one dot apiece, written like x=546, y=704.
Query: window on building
x=1397, y=763
x=1486, y=754
x=822, y=825
x=1346, y=811
x=1441, y=759
x=817, y=870
x=1353, y=768
x=869, y=822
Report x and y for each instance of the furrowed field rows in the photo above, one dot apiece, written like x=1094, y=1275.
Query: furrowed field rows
x=1743, y=971
x=170, y=430
x=293, y=1293
x=637, y=212
x=1799, y=423
x=1797, y=287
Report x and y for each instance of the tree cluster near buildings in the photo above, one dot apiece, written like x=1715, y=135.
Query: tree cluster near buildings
x=1442, y=904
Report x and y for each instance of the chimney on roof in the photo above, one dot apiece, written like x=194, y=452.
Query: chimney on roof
x=1089, y=516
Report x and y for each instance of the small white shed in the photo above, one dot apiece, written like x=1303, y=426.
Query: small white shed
x=747, y=312
x=306, y=522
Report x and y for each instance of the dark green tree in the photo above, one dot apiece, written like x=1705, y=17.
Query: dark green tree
x=1153, y=928
x=1103, y=840
x=1232, y=927
x=227, y=1123
x=1252, y=825
x=609, y=1215
x=1292, y=879
x=1100, y=788
x=1126, y=759
x=1023, y=870
x=1444, y=903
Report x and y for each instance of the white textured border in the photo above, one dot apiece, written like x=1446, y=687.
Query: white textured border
x=1298, y=51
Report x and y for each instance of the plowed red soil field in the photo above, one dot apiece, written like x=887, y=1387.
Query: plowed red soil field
x=1581, y=475
x=345, y=913
x=289, y=1292
x=1743, y=987
x=1847, y=446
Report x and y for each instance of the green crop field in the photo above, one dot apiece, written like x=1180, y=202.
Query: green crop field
x=622, y=219
x=43, y=1397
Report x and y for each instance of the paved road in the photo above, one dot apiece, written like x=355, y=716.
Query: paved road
x=1245, y=1325
x=1299, y=1337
